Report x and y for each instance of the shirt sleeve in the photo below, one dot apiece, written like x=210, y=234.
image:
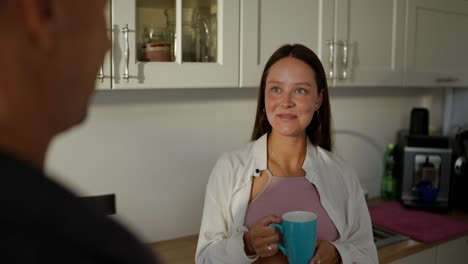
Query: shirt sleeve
x=356, y=245
x=219, y=241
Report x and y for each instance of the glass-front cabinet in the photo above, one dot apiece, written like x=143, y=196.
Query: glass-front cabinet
x=175, y=43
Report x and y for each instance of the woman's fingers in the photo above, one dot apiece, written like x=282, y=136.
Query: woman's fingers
x=261, y=242
x=266, y=246
x=266, y=221
x=263, y=229
x=325, y=253
x=268, y=250
x=265, y=236
x=318, y=251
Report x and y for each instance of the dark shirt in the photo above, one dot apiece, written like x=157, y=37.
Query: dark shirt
x=42, y=222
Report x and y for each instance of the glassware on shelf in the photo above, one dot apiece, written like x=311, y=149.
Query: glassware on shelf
x=205, y=28
x=170, y=29
x=156, y=28
x=201, y=27
x=188, y=51
x=213, y=40
x=156, y=44
x=158, y=52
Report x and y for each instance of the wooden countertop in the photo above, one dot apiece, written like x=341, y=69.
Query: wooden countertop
x=176, y=251
x=182, y=250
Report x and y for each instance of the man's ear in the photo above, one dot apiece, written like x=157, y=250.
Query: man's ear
x=39, y=21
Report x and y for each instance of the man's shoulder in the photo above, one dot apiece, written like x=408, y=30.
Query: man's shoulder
x=42, y=221
x=57, y=227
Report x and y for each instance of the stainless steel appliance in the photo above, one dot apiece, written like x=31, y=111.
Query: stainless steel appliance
x=424, y=170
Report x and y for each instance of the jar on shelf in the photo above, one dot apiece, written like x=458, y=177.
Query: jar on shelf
x=156, y=45
x=158, y=52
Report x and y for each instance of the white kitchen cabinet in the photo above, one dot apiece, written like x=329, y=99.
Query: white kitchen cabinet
x=104, y=77
x=369, y=42
x=179, y=25
x=427, y=256
x=436, y=43
x=453, y=252
x=267, y=25
x=360, y=42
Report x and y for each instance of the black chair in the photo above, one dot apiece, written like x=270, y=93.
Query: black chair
x=103, y=203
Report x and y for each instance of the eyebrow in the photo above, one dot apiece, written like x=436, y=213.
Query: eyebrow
x=298, y=83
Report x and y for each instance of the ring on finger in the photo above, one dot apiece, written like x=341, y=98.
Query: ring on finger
x=270, y=249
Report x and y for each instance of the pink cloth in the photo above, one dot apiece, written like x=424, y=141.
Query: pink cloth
x=419, y=225
x=284, y=194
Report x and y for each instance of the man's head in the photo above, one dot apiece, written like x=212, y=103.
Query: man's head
x=53, y=50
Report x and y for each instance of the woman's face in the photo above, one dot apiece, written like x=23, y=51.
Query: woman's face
x=291, y=96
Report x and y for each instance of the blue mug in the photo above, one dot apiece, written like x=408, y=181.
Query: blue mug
x=299, y=232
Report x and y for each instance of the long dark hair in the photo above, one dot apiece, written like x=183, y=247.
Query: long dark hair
x=319, y=129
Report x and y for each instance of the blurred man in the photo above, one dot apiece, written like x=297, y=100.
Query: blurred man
x=50, y=53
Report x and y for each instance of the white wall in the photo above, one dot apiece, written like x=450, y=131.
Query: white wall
x=460, y=109
x=156, y=148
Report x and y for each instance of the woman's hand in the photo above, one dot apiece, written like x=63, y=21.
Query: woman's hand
x=262, y=237
x=325, y=253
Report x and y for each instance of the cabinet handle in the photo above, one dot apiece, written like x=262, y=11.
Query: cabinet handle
x=331, y=60
x=126, y=75
x=446, y=79
x=344, y=74
x=100, y=75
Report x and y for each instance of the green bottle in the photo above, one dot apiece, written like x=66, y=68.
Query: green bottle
x=388, y=184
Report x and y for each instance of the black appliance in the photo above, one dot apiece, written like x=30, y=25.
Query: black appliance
x=459, y=188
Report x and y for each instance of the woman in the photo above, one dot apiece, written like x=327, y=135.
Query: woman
x=288, y=166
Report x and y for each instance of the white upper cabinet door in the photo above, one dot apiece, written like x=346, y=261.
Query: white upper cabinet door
x=436, y=43
x=368, y=43
x=103, y=81
x=266, y=25
x=360, y=42
x=175, y=44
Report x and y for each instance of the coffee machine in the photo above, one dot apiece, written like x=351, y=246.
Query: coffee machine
x=423, y=168
x=459, y=188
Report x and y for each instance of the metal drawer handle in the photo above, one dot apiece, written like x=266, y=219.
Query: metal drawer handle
x=331, y=59
x=344, y=74
x=446, y=79
x=100, y=75
x=126, y=75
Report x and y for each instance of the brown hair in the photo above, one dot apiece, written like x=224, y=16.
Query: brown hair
x=319, y=129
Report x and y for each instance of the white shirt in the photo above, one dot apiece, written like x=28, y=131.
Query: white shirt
x=228, y=192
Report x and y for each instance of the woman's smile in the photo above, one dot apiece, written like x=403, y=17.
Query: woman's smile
x=287, y=116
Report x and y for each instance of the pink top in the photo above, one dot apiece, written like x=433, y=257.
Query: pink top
x=284, y=194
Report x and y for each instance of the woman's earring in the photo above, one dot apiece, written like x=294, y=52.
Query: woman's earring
x=263, y=110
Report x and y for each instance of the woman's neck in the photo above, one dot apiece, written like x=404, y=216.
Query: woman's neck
x=288, y=152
